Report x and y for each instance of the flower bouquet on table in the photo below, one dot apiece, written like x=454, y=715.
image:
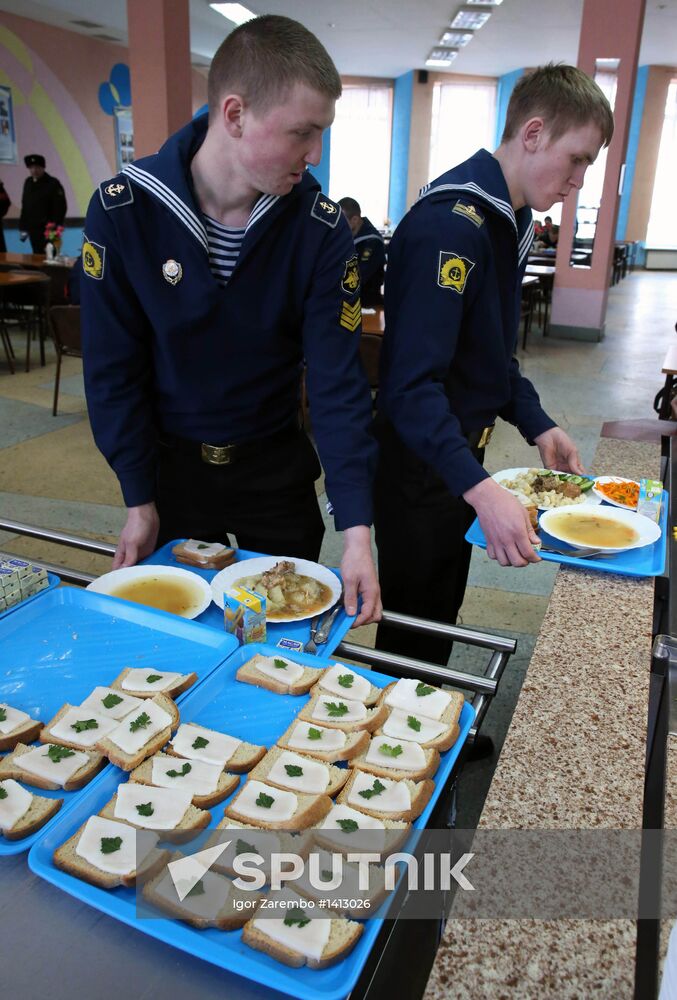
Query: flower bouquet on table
x=53, y=236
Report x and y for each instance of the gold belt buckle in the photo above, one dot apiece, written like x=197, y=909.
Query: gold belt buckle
x=214, y=454
x=485, y=437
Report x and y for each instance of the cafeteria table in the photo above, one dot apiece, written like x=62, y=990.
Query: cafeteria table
x=546, y=275
x=57, y=270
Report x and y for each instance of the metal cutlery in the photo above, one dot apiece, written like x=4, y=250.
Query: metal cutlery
x=310, y=646
x=320, y=626
x=578, y=553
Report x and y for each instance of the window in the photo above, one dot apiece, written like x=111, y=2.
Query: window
x=661, y=231
x=359, y=165
x=463, y=120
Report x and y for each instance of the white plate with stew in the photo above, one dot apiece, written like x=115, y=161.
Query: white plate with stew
x=239, y=573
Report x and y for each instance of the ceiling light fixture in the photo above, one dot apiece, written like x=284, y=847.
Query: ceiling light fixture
x=234, y=12
x=484, y=3
x=441, y=57
x=470, y=19
x=456, y=39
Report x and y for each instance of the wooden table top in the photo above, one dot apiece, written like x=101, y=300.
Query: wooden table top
x=34, y=260
x=373, y=322
x=8, y=279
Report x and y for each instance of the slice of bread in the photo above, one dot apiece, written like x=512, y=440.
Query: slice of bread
x=265, y=841
x=68, y=860
x=10, y=769
x=25, y=732
x=192, y=821
x=358, y=902
x=183, y=552
x=228, y=918
x=343, y=936
x=356, y=743
x=130, y=761
x=311, y=809
x=432, y=762
x=40, y=811
x=337, y=775
x=371, y=699
x=46, y=735
x=227, y=783
x=374, y=718
x=443, y=742
x=419, y=791
x=381, y=842
x=451, y=713
x=244, y=759
x=182, y=684
x=249, y=674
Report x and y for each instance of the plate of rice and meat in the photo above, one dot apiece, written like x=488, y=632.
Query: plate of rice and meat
x=547, y=488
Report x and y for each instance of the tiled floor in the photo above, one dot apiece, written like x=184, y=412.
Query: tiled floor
x=52, y=475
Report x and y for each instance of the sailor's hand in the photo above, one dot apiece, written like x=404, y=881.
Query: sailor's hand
x=138, y=537
x=505, y=523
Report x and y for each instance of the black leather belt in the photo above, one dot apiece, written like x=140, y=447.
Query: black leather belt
x=480, y=438
x=226, y=454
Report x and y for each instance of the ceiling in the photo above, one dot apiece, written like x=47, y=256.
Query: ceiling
x=389, y=37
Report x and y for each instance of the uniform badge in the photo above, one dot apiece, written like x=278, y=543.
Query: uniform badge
x=453, y=271
x=172, y=271
x=468, y=211
x=93, y=259
x=116, y=192
x=366, y=254
x=351, y=276
x=351, y=316
x=325, y=210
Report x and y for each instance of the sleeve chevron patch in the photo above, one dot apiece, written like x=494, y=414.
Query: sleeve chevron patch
x=351, y=316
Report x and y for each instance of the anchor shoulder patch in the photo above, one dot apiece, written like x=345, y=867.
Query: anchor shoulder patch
x=325, y=210
x=469, y=211
x=116, y=192
x=93, y=259
x=453, y=270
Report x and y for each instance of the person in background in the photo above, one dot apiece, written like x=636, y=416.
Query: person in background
x=371, y=252
x=210, y=271
x=43, y=201
x=448, y=365
x=550, y=233
x=4, y=208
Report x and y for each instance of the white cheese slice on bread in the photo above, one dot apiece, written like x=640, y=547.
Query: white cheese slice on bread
x=397, y=726
x=269, y=666
x=134, y=732
x=314, y=778
x=282, y=808
x=194, y=776
x=39, y=763
x=69, y=727
x=119, y=704
x=121, y=861
x=203, y=549
x=330, y=739
x=15, y=801
x=11, y=718
x=167, y=806
x=136, y=679
x=339, y=812
x=384, y=795
x=205, y=900
x=218, y=750
x=354, y=686
x=309, y=939
x=264, y=842
x=404, y=756
x=403, y=696
x=323, y=709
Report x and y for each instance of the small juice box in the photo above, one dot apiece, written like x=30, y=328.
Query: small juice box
x=650, y=497
x=244, y=613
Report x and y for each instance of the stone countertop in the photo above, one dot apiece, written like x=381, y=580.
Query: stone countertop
x=573, y=758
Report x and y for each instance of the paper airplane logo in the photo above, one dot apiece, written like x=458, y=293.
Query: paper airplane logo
x=187, y=872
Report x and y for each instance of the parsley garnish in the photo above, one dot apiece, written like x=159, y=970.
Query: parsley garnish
x=180, y=774
x=197, y=890
x=295, y=916
x=242, y=847
x=264, y=800
x=390, y=751
x=84, y=724
x=140, y=722
x=203, y=545
x=346, y=680
x=280, y=664
x=3, y=714
x=293, y=770
x=326, y=876
x=423, y=689
x=334, y=710
x=414, y=723
x=152, y=678
x=56, y=753
x=111, y=700
x=199, y=743
x=145, y=809
x=314, y=734
x=348, y=825
x=110, y=844
x=3, y=793
x=375, y=789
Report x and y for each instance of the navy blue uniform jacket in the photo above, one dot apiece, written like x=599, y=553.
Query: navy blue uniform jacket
x=452, y=305
x=372, y=253
x=213, y=364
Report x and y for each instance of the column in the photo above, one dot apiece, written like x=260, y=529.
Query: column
x=399, y=146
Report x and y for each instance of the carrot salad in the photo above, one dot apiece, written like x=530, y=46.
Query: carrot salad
x=625, y=492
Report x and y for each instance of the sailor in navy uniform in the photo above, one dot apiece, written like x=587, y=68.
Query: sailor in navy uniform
x=193, y=354
x=43, y=200
x=371, y=252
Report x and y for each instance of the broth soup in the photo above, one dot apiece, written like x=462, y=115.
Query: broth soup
x=179, y=597
x=589, y=529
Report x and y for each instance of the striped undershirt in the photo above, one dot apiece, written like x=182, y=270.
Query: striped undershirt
x=225, y=242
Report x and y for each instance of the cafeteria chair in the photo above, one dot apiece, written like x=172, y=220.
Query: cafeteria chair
x=28, y=305
x=65, y=321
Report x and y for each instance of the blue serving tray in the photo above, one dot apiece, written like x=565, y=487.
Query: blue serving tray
x=647, y=561
x=258, y=716
x=213, y=616
x=59, y=648
x=54, y=581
